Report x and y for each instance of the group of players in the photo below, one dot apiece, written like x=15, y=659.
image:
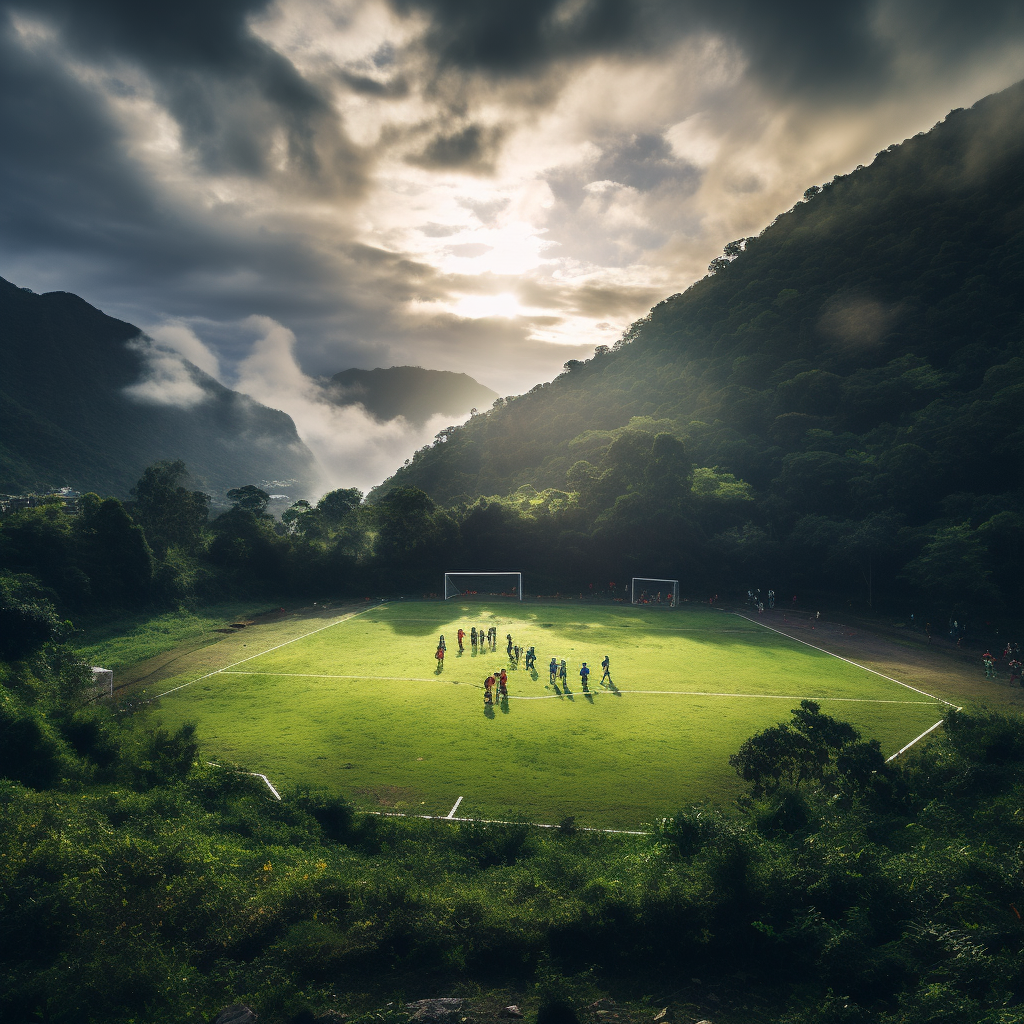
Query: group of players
x=496, y=684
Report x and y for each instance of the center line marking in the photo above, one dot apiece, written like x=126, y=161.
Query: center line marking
x=451, y=813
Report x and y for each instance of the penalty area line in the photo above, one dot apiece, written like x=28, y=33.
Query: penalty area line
x=930, y=728
x=855, y=664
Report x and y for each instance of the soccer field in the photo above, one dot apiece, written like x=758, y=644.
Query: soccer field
x=359, y=706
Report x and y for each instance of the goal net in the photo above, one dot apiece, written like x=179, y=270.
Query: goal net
x=483, y=584
x=647, y=590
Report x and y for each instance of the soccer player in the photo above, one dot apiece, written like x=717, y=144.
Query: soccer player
x=553, y=669
x=516, y=654
x=439, y=654
x=503, y=684
x=606, y=665
x=461, y=635
x=585, y=676
x=508, y=637
x=441, y=643
x=562, y=673
x=472, y=635
x=489, y=686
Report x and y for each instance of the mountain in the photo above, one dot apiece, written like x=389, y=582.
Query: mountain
x=853, y=378
x=89, y=401
x=883, y=312
x=409, y=391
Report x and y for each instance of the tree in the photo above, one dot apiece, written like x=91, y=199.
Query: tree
x=170, y=513
x=304, y=520
x=953, y=567
x=114, y=551
x=867, y=543
x=337, y=507
x=408, y=524
x=27, y=619
x=250, y=498
x=812, y=747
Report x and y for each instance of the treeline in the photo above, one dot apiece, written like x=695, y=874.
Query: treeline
x=859, y=366
x=639, y=507
x=138, y=883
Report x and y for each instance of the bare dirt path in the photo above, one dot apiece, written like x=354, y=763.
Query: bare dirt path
x=207, y=654
x=936, y=668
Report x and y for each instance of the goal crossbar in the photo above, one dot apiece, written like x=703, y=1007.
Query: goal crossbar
x=643, y=580
x=451, y=589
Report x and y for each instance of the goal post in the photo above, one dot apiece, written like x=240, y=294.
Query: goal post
x=461, y=584
x=648, y=589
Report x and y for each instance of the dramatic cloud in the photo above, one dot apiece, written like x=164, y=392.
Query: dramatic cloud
x=167, y=378
x=353, y=448
x=485, y=187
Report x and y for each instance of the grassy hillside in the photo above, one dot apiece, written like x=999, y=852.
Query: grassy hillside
x=65, y=417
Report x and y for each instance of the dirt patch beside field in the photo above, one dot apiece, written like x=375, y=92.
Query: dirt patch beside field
x=937, y=668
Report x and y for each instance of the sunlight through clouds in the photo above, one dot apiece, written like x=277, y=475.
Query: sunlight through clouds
x=394, y=183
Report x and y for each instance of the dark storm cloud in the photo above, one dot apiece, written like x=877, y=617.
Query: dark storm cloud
x=641, y=161
x=791, y=45
x=228, y=90
x=473, y=148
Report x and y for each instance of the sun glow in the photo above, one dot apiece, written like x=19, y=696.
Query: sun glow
x=475, y=307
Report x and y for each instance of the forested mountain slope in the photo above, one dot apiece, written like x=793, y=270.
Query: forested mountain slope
x=860, y=364
x=86, y=401
x=409, y=391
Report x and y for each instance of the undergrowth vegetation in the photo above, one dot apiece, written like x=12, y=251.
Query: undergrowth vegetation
x=141, y=884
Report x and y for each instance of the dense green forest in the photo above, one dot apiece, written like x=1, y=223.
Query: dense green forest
x=848, y=385
x=163, y=550
x=141, y=884
x=835, y=411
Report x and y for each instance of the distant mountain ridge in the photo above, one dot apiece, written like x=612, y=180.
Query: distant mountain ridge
x=86, y=400
x=413, y=392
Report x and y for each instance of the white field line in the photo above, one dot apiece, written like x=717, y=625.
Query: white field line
x=199, y=679
x=701, y=693
x=495, y=821
x=577, y=625
x=555, y=696
x=270, y=785
x=451, y=813
x=324, y=675
x=912, y=742
x=256, y=775
x=941, y=700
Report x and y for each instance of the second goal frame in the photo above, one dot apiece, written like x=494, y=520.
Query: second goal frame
x=451, y=589
x=644, y=580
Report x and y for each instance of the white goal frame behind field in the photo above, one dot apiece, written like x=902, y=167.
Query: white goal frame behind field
x=674, y=603
x=451, y=590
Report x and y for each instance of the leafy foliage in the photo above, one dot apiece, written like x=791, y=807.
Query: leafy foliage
x=858, y=367
x=140, y=883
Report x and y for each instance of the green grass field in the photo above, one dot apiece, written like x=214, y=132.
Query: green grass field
x=359, y=706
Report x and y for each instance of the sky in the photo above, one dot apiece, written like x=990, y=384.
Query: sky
x=282, y=190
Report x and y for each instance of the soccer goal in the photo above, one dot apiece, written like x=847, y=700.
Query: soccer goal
x=490, y=584
x=647, y=590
